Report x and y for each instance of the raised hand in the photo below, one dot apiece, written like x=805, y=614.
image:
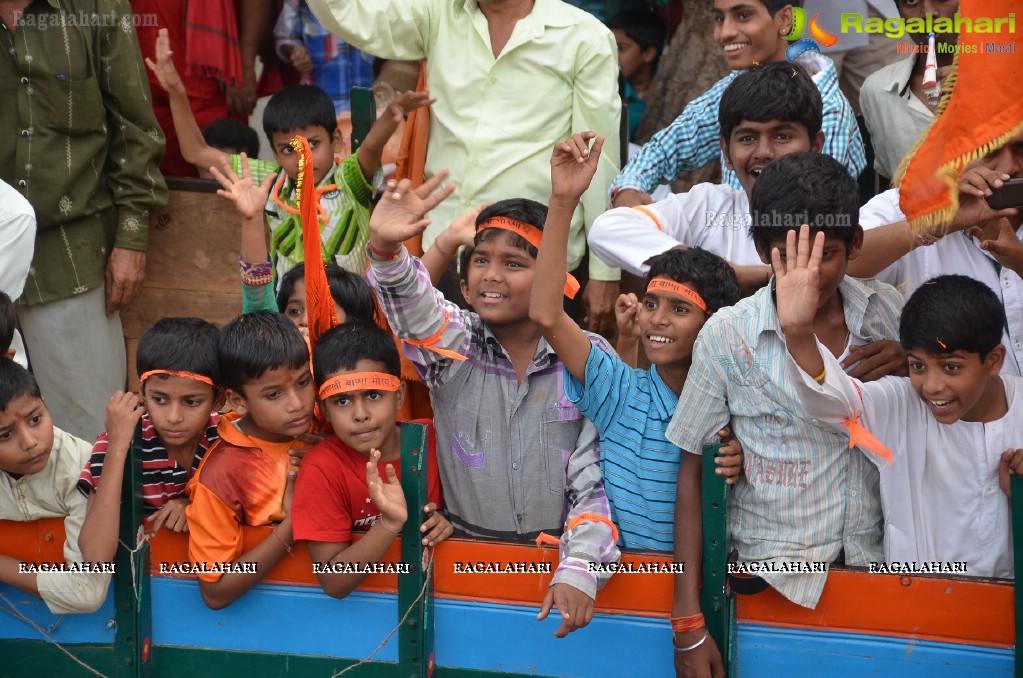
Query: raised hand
x=797, y=279
x=401, y=212
x=627, y=316
x=406, y=102
x=573, y=164
x=386, y=494
x=248, y=198
x=163, y=68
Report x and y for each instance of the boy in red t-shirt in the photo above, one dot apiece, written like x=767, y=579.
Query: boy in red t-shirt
x=350, y=481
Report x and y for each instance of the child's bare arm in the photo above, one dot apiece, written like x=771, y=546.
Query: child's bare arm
x=704, y=660
x=194, y=148
x=98, y=539
x=372, y=150
x=627, y=318
x=461, y=232
x=10, y=575
x=573, y=164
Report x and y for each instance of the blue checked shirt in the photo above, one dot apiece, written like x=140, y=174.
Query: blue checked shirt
x=337, y=66
x=692, y=140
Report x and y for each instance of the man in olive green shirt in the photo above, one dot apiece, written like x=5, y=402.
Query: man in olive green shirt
x=79, y=140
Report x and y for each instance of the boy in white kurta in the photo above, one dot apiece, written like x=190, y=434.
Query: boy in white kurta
x=953, y=428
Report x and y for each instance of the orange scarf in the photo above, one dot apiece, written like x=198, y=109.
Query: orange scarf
x=412, y=153
x=981, y=108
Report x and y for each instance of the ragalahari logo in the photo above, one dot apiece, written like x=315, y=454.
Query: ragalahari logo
x=818, y=36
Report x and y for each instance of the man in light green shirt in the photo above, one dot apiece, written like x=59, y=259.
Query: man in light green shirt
x=511, y=78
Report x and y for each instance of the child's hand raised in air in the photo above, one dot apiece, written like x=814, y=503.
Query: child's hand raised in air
x=406, y=102
x=401, y=212
x=248, y=198
x=123, y=413
x=436, y=528
x=163, y=68
x=171, y=515
x=386, y=494
x=729, y=457
x=573, y=164
x=797, y=280
x=627, y=317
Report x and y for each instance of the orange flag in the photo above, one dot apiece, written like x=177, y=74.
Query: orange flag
x=319, y=304
x=980, y=109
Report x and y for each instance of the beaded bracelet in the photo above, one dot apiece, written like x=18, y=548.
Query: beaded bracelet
x=256, y=275
x=692, y=647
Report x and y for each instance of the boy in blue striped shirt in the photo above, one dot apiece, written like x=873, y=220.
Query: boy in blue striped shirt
x=631, y=408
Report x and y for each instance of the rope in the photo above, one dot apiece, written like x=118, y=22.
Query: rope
x=140, y=540
x=17, y=614
x=422, y=593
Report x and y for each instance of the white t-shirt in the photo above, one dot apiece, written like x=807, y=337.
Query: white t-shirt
x=940, y=496
x=711, y=216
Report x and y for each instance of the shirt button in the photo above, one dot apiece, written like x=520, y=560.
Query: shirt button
x=24, y=81
x=492, y=81
x=26, y=132
x=1007, y=283
x=515, y=466
x=853, y=493
x=22, y=183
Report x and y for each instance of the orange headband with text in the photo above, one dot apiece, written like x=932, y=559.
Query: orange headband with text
x=676, y=288
x=532, y=235
x=176, y=373
x=359, y=381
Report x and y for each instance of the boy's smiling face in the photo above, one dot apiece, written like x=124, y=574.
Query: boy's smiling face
x=277, y=405
x=365, y=419
x=669, y=324
x=953, y=385
x=753, y=144
x=179, y=408
x=26, y=435
x=747, y=32
x=322, y=145
x=499, y=279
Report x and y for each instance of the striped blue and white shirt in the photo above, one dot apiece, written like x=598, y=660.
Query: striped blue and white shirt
x=692, y=140
x=631, y=409
x=802, y=496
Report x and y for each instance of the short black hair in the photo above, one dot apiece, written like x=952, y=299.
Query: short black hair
x=774, y=5
x=711, y=276
x=804, y=188
x=341, y=347
x=299, y=106
x=256, y=342
x=8, y=322
x=350, y=291
x=179, y=345
x=643, y=27
x=16, y=381
x=521, y=209
x=779, y=90
x=230, y=133
x=952, y=313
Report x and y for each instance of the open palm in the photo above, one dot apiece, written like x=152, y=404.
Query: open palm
x=401, y=212
x=797, y=279
x=249, y=198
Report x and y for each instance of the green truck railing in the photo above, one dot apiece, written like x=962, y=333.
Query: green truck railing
x=717, y=605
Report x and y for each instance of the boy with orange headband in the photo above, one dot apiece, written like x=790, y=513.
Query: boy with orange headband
x=351, y=481
x=176, y=361
x=631, y=408
x=517, y=459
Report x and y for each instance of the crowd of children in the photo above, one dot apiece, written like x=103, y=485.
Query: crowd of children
x=767, y=318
